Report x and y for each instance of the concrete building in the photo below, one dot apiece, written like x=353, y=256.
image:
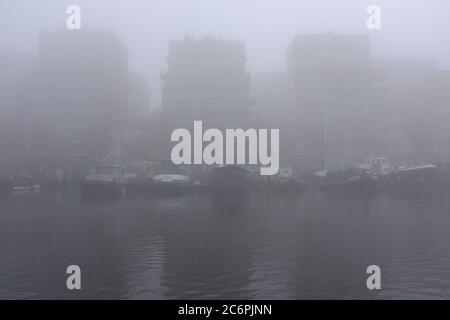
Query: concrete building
x=77, y=101
x=441, y=98
x=14, y=67
x=336, y=101
x=138, y=124
x=417, y=102
x=205, y=80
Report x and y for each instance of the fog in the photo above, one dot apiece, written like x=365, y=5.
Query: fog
x=409, y=27
x=396, y=76
x=224, y=149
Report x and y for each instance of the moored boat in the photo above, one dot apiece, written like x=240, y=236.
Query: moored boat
x=352, y=180
x=286, y=182
x=4, y=185
x=22, y=184
x=441, y=176
x=409, y=177
x=170, y=182
x=229, y=178
x=198, y=187
x=169, y=178
x=104, y=181
x=400, y=177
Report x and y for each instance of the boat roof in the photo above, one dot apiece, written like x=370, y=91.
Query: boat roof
x=322, y=173
x=107, y=166
x=230, y=166
x=425, y=166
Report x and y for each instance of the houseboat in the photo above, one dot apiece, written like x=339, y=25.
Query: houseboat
x=229, y=178
x=104, y=181
x=352, y=180
x=399, y=177
x=286, y=181
x=169, y=179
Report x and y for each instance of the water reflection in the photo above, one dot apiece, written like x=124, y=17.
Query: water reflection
x=256, y=245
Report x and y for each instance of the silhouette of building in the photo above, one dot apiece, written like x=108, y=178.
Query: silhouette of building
x=14, y=67
x=418, y=105
x=336, y=101
x=77, y=101
x=441, y=98
x=205, y=80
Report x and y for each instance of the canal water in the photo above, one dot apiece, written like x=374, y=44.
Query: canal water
x=256, y=246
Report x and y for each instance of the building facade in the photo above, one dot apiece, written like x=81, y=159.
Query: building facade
x=76, y=102
x=336, y=101
x=14, y=67
x=205, y=80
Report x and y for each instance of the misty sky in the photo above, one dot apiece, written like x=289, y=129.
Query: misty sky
x=416, y=28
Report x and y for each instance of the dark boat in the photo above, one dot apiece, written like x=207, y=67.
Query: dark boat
x=104, y=181
x=400, y=178
x=352, y=180
x=286, y=182
x=198, y=187
x=409, y=177
x=288, y=185
x=229, y=178
x=5, y=185
x=441, y=178
x=140, y=183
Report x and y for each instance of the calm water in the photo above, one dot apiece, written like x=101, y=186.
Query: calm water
x=200, y=246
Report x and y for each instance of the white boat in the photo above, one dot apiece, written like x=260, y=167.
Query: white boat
x=178, y=179
x=390, y=176
x=23, y=184
x=170, y=182
x=377, y=166
x=169, y=178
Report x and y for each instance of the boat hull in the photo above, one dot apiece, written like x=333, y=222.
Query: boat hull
x=349, y=181
x=409, y=178
x=230, y=179
x=288, y=185
x=95, y=189
x=166, y=184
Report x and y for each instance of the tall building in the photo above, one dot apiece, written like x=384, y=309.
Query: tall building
x=205, y=80
x=77, y=99
x=270, y=106
x=336, y=101
x=441, y=98
x=14, y=67
x=417, y=103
